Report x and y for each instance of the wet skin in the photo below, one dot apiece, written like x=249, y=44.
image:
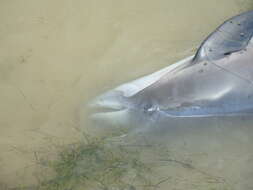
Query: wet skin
x=215, y=83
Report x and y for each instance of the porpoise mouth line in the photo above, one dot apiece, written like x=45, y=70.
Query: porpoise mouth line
x=104, y=110
x=97, y=108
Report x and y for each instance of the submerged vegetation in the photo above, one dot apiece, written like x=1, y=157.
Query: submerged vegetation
x=96, y=164
x=110, y=164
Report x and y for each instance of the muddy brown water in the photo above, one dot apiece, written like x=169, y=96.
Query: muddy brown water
x=57, y=55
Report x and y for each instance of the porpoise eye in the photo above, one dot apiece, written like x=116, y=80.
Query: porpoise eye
x=149, y=109
x=147, y=106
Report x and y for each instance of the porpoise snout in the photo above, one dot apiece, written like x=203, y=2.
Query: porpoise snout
x=110, y=108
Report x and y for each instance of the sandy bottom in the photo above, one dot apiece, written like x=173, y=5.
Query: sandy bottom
x=56, y=55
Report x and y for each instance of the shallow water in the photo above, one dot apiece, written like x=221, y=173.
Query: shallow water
x=57, y=55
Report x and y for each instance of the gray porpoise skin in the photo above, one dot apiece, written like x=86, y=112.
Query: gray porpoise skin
x=217, y=82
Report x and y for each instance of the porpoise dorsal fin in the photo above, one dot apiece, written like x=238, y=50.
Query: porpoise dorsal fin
x=232, y=36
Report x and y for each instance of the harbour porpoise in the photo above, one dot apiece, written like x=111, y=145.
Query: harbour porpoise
x=213, y=86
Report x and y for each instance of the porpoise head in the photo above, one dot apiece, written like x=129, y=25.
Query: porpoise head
x=132, y=104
